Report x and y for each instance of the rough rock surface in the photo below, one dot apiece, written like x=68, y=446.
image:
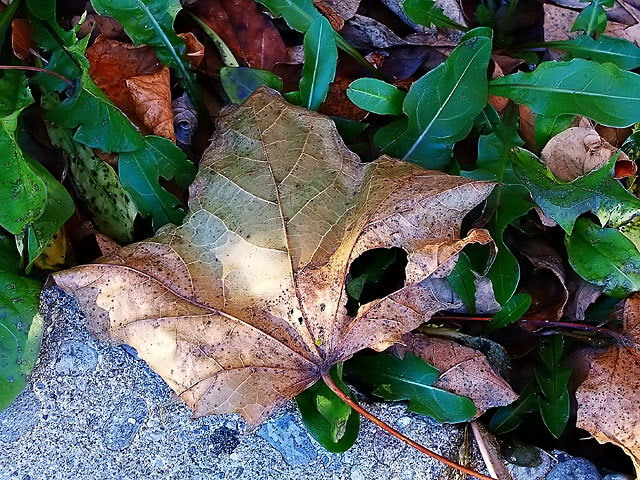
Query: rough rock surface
x=97, y=412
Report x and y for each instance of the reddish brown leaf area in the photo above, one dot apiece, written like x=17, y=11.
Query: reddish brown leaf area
x=250, y=35
x=195, y=49
x=135, y=81
x=338, y=104
x=609, y=399
x=463, y=370
x=21, y=38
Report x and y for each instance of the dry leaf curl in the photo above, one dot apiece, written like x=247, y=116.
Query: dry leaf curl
x=242, y=307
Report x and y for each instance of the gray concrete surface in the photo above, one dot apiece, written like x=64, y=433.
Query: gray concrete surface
x=92, y=411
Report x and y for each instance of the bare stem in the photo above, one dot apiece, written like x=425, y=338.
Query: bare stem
x=347, y=399
x=37, y=69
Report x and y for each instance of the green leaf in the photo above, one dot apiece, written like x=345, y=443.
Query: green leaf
x=511, y=312
x=487, y=120
x=427, y=13
x=240, y=82
x=409, y=379
x=441, y=106
x=20, y=333
x=23, y=193
x=508, y=418
x=366, y=275
x=597, y=192
x=320, y=57
x=99, y=123
x=462, y=281
x=150, y=22
x=602, y=92
x=9, y=256
x=592, y=19
x=604, y=257
x=329, y=420
x=140, y=173
x=553, y=380
x=58, y=209
x=618, y=51
x=376, y=96
x=349, y=129
x=546, y=127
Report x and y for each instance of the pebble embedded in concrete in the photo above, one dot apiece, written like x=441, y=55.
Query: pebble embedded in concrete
x=290, y=439
x=76, y=358
x=124, y=422
x=574, y=469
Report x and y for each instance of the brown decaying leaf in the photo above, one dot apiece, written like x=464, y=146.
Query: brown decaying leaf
x=463, y=370
x=22, y=38
x=243, y=306
x=527, y=127
x=337, y=11
x=195, y=49
x=608, y=400
x=249, y=34
x=151, y=97
x=576, y=151
x=135, y=81
x=581, y=295
x=490, y=451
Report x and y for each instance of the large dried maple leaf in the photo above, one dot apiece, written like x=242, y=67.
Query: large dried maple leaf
x=243, y=306
x=609, y=399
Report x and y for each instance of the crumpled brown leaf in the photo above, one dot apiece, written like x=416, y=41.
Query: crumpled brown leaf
x=194, y=49
x=242, y=307
x=608, y=400
x=337, y=11
x=577, y=151
x=135, y=81
x=22, y=42
x=463, y=371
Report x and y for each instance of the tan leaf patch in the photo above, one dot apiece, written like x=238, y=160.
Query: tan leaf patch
x=242, y=307
x=609, y=399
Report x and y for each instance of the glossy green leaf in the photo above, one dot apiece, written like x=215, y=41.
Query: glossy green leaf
x=9, y=256
x=487, y=120
x=604, y=257
x=349, y=129
x=547, y=127
x=376, y=96
x=20, y=333
x=602, y=92
x=410, y=379
x=150, y=22
x=462, y=281
x=427, y=13
x=240, y=82
x=320, y=58
x=592, y=19
x=58, y=209
x=441, y=106
x=23, y=193
x=618, y=51
x=552, y=380
x=511, y=312
x=140, y=173
x=598, y=193
x=506, y=419
x=329, y=420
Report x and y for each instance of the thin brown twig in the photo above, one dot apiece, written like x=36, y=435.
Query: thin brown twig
x=37, y=69
x=392, y=431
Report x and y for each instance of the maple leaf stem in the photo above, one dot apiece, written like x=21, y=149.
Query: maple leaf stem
x=37, y=69
x=392, y=431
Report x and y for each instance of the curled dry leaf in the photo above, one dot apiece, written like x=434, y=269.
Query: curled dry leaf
x=608, y=400
x=195, y=49
x=463, y=370
x=577, y=151
x=249, y=34
x=342, y=9
x=22, y=41
x=242, y=307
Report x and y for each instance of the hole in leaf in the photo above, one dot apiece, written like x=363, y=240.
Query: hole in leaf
x=375, y=274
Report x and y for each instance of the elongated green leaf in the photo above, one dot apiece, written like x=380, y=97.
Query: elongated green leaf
x=603, y=92
x=510, y=313
x=140, y=173
x=320, y=57
x=605, y=257
x=327, y=418
x=462, y=281
x=240, y=82
x=376, y=96
x=425, y=12
x=441, y=106
x=547, y=127
x=508, y=418
x=618, y=51
x=20, y=333
x=409, y=379
x=598, y=193
x=150, y=22
x=592, y=19
x=23, y=193
x=552, y=380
